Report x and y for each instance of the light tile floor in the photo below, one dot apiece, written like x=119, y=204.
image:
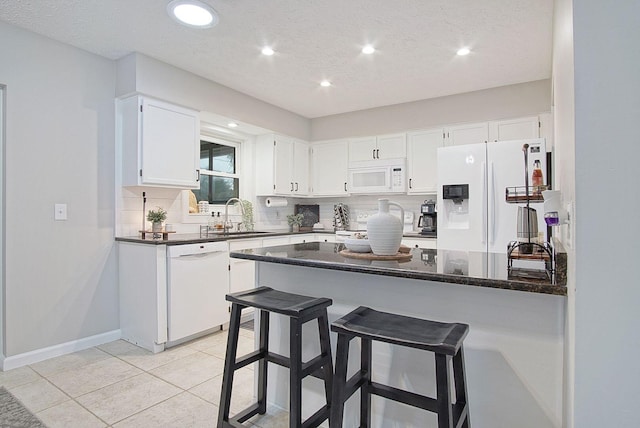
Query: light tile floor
x=121, y=385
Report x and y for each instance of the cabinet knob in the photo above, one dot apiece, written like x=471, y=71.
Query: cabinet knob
x=292, y=186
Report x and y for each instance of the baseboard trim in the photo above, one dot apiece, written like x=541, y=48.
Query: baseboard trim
x=42, y=354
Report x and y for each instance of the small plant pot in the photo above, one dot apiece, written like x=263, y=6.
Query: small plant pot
x=295, y=228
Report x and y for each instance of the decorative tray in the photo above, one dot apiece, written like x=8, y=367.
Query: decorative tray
x=400, y=256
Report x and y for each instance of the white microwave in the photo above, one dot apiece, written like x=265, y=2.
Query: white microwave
x=377, y=176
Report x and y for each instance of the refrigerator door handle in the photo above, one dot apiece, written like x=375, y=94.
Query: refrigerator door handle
x=492, y=195
x=484, y=203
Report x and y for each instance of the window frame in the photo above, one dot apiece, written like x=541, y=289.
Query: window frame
x=237, y=156
x=225, y=141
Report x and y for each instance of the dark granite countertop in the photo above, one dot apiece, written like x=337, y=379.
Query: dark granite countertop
x=454, y=267
x=195, y=238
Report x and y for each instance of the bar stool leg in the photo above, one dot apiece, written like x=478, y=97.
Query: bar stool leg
x=339, y=381
x=262, y=364
x=461, y=384
x=325, y=349
x=443, y=385
x=365, y=395
x=295, y=373
x=229, y=363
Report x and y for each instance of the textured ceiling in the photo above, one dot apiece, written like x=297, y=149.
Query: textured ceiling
x=416, y=41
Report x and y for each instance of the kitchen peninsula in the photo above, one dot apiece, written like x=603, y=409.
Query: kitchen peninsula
x=514, y=351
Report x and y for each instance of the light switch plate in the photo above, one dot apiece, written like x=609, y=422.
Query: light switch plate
x=60, y=212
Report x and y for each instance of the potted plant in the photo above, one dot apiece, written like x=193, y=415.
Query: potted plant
x=156, y=217
x=294, y=220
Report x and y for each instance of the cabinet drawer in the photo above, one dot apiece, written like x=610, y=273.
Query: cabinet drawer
x=191, y=249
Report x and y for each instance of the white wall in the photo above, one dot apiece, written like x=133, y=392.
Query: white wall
x=511, y=101
x=61, y=276
x=2, y=249
x=164, y=81
x=564, y=172
x=607, y=150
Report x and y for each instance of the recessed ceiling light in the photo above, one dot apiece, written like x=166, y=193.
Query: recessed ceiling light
x=267, y=51
x=325, y=83
x=232, y=125
x=368, y=50
x=463, y=51
x=192, y=13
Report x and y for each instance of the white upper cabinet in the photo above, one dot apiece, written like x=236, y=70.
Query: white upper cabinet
x=329, y=165
x=282, y=166
x=469, y=133
x=160, y=143
x=390, y=146
x=422, y=160
x=546, y=129
x=514, y=129
x=300, y=167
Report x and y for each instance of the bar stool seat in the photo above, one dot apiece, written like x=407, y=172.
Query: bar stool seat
x=299, y=309
x=443, y=339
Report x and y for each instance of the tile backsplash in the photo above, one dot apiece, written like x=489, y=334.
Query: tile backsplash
x=266, y=218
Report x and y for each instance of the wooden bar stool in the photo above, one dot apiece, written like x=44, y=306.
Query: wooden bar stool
x=299, y=309
x=444, y=340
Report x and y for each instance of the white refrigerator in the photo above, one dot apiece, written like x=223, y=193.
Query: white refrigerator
x=473, y=214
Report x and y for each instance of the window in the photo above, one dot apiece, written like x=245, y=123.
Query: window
x=219, y=175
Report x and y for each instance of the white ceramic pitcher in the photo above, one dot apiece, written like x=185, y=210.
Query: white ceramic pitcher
x=384, y=230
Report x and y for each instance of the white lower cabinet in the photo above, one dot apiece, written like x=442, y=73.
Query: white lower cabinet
x=427, y=243
x=143, y=294
x=242, y=272
x=325, y=237
x=165, y=299
x=276, y=240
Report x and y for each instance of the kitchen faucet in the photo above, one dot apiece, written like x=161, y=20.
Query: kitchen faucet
x=226, y=213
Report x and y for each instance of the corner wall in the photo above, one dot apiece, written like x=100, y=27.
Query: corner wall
x=607, y=232
x=61, y=276
x=504, y=102
x=139, y=73
x=564, y=176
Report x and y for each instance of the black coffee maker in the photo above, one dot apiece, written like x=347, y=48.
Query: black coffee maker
x=428, y=221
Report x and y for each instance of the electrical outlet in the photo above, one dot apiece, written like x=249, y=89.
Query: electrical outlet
x=60, y=212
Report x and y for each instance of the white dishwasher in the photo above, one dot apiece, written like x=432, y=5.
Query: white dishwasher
x=197, y=282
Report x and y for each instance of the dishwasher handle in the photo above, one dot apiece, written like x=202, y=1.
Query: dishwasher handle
x=202, y=249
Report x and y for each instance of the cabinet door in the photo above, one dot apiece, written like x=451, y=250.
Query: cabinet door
x=423, y=160
x=470, y=133
x=391, y=146
x=283, y=166
x=362, y=149
x=514, y=129
x=329, y=168
x=300, y=168
x=299, y=239
x=429, y=243
x=242, y=272
x=169, y=145
x=277, y=240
